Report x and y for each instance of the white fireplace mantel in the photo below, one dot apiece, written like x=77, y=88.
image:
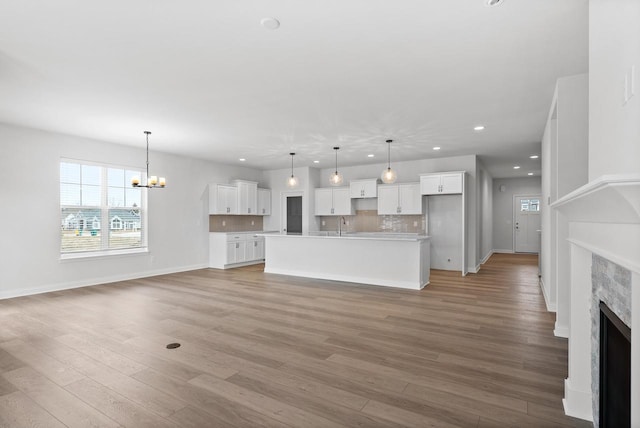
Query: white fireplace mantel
x=604, y=219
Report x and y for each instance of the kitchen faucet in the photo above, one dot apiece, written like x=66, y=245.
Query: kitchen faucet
x=341, y=221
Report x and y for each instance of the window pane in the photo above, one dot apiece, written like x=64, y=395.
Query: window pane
x=91, y=196
x=91, y=174
x=524, y=205
x=69, y=172
x=133, y=197
x=116, y=196
x=115, y=177
x=70, y=194
x=77, y=230
x=535, y=205
x=124, y=228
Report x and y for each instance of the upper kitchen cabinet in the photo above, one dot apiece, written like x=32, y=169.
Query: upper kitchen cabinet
x=441, y=183
x=333, y=201
x=247, y=197
x=223, y=199
x=402, y=199
x=264, y=202
x=367, y=188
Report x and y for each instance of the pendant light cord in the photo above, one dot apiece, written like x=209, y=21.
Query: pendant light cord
x=336, y=149
x=292, y=154
x=389, y=153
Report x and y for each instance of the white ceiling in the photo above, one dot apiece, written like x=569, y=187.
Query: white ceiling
x=209, y=81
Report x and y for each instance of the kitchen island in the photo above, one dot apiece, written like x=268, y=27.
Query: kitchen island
x=391, y=260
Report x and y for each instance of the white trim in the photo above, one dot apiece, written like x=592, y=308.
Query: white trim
x=348, y=278
x=561, y=331
x=486, y=258
x=551, y=307
x=92, y=255
x=241, y=264
x=473, y=269
x=8, y=294
x=502, y=251
x=577, y=403
x=628, y=264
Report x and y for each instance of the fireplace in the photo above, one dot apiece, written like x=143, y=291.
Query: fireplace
x=615, y=370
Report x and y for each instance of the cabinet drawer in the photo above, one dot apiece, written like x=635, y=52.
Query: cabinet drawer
x=235, y=237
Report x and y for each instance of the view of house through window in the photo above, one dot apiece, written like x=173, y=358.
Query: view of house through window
x=99, y=210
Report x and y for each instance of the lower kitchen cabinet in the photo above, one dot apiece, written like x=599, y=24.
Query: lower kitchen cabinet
x=228, y=250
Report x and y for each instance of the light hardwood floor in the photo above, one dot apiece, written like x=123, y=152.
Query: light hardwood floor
x=268, y=350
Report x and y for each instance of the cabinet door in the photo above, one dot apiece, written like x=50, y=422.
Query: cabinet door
x=356, y=189
x=250, y=250
x=231, y=253
x=240, y=251
x=324, y=202
x=430, y=184
x=260, y=249
x=451, y=183
x=342, y=201
x=264, y=202
x=370, y=188
x=222, y=199
x=410, y=199
x=388, y=200
x=247, y=197
x=231, y=199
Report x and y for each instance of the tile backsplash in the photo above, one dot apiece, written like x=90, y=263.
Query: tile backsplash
x=234, y=223
x=370, y=221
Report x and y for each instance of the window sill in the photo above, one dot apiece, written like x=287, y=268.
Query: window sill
x=92, y=255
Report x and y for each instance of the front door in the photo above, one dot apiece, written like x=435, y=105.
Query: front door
x=526, y=224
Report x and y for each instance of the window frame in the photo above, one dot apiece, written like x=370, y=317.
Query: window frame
x=104, y=208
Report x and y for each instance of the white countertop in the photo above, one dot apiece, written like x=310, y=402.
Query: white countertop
x=379, y=236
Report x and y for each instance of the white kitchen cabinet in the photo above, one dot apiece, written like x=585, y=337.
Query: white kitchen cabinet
x=367, y=188
x=247, y=197
x=333, y=201
x=223, y=199
x=441, y=183
x=264, y=202
x=401, y=199
x=228, y=250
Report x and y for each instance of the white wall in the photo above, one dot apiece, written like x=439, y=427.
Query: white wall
x=503, y=207
x=614, y=127
x=484, y=213
x=547, y=251
x=29, y=191
x=409, y=171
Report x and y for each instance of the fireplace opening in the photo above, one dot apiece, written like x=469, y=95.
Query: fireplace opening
x=615, y=370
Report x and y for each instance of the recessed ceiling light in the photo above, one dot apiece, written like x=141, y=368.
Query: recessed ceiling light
x=491, y=3
x=478, y=128
x=316, y=161
x=516, y=167
x=436, y=148
x=534, y=156
x=242, y=159
x=270, y=23
x=371, y=155
x=530, y=173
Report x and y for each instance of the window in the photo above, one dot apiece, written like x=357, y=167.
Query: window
x=92, y=195
x=530, y=205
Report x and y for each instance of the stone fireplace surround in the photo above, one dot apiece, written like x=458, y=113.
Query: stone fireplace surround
x=604, y=237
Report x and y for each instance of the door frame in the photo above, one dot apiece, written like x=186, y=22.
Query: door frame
x=283, y=208
x=513, y=217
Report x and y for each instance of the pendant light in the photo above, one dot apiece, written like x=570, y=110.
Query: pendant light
x=292, y=182
x=388, y=175
x=152, y=181
x=336, y=177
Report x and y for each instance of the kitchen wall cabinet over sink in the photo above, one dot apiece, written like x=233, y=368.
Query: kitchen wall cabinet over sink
x=333, y=201
x=401, y=199
x=441, y=184
x=367, y=188
x=223, y=199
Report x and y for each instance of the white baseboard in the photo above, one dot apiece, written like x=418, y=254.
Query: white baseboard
x=486, y=258
x=473, y=269
x=503, y=251
x=551, y=307
x=577, y=403
x=561, y=331
x=8, y=294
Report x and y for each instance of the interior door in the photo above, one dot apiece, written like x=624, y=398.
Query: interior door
x=526, y=224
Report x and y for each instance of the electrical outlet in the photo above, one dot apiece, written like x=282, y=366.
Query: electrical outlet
x=347, y=222
x=224, y=223
x=253, y=223
x=324, y=223
x=415, y=224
